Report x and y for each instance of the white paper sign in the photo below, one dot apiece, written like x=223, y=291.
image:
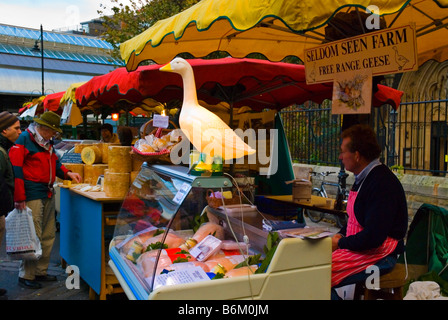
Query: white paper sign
x=160, y=121
x=190, y=275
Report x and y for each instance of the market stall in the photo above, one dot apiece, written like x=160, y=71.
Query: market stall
x=274, y=32
x=252, y=83
x=85, y=220
x=159, y=251
x=88, y=210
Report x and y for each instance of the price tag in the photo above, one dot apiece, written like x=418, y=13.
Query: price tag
x=182, y=193
x=160, y=121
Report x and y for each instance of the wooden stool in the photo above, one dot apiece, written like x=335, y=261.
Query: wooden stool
x=391, y=285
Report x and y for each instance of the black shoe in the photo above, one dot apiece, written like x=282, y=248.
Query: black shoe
x=46, y=278
x=2, y=292
x=29, y=284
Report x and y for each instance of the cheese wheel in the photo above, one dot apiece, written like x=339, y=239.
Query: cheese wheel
x=91, y=155
x=133, y=175
x=77, y=168
x=104, y=147
x=92, y=172
x=136, y=162
x=116, y=184
x=120, y=159
x=80, y=146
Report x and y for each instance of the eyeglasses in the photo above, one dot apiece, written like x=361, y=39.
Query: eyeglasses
x=344, y=152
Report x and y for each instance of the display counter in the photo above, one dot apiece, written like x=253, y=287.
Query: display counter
x=87, y=220
x=160, y=250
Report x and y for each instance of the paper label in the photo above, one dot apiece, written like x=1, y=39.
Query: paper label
x=160, y=121
x=189, y=275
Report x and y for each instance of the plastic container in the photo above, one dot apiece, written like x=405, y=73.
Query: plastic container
x=235, y=210
x=206, y=248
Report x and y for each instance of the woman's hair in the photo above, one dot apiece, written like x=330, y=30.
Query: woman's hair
x=107, y=126
x=126, y=136
x=363, y=140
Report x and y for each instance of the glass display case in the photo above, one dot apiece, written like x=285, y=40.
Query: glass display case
x=169, y=243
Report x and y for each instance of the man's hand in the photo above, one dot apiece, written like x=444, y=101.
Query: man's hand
x=75, y=177
x=20, y=205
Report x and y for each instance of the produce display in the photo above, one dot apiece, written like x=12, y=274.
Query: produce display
x=176, y=252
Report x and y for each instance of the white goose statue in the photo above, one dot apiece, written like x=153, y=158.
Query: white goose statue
x=205, y=130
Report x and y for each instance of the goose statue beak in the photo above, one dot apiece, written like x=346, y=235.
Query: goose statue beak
x=166, y=68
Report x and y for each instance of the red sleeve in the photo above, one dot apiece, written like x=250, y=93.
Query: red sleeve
x=17, y=154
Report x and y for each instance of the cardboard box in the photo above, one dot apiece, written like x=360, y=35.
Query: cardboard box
x=301, y=190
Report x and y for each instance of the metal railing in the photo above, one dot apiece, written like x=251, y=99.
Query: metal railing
x=413, y=138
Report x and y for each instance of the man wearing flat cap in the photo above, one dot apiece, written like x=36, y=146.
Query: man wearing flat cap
x=36, y=167
x=9, y=132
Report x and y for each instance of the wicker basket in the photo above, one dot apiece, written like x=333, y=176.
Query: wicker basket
x=214, y=202
x=162, y=156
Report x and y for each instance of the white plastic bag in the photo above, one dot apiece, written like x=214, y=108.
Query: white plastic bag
x=21, y=240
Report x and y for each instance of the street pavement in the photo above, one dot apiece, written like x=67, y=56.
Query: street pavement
x=56, y=290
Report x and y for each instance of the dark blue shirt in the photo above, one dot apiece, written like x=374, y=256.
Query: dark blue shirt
x=381, y=209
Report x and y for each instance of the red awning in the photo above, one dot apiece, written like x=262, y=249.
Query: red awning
x=51, y=101
x=255, y=83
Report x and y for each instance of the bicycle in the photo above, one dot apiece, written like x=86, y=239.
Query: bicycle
x=341, y=197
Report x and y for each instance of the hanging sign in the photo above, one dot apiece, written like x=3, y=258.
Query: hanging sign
x=386, y=51
x=352, y=93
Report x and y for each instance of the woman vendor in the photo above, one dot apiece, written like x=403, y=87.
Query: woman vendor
x=376, y=208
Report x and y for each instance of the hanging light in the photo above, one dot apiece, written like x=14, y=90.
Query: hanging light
x=115, y=116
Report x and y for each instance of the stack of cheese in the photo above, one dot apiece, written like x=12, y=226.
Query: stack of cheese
x=113, y=161
x=117, y=176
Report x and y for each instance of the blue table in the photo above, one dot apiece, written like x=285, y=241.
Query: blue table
x=83, y=219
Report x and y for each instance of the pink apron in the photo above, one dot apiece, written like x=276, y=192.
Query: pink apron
x=346, y=262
